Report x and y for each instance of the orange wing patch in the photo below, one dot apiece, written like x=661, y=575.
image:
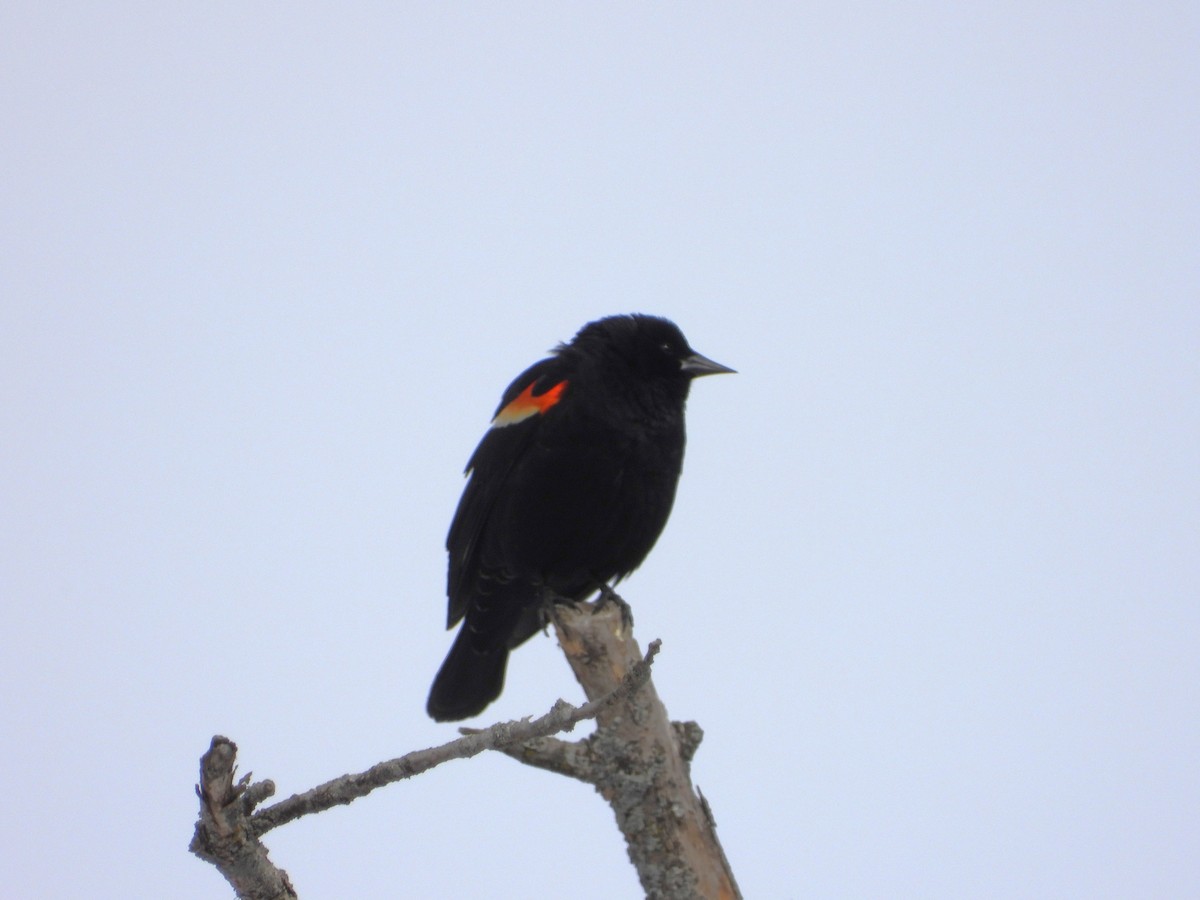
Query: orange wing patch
x=527, y=404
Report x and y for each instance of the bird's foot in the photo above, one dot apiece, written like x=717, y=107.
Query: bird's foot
x=607, y=596
x=550, y=599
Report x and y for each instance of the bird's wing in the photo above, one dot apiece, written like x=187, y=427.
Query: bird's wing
x=526, y=402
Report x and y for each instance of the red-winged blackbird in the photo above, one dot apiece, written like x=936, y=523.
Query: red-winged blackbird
x=568, y=491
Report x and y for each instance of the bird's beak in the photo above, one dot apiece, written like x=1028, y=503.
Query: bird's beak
x=697, y=365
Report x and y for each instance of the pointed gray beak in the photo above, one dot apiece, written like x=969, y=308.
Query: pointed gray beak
x=697, y=365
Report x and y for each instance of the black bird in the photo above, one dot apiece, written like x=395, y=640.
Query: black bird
x=568, y=491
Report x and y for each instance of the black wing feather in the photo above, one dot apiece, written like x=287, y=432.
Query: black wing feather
x=489, y=471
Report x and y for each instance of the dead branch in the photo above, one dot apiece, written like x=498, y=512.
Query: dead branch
x=639, y=761
x=228, y=830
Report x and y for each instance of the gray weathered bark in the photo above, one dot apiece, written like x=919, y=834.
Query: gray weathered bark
x=228, y=831
x=639, y=761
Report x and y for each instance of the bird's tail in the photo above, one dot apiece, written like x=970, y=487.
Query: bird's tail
x=468, y=680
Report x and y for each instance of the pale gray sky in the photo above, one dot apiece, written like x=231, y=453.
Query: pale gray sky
x=931, y=584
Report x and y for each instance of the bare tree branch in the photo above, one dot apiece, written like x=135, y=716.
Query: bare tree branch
x=639, y=761
x=340, y=791
x=221, y=835
x=228, y=831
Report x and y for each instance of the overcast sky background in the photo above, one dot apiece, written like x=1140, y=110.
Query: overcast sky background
x=931, y=584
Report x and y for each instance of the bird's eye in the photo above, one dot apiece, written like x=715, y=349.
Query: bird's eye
x=667, y=347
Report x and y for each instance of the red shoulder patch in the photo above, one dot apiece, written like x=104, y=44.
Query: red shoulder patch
x=527, y=404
